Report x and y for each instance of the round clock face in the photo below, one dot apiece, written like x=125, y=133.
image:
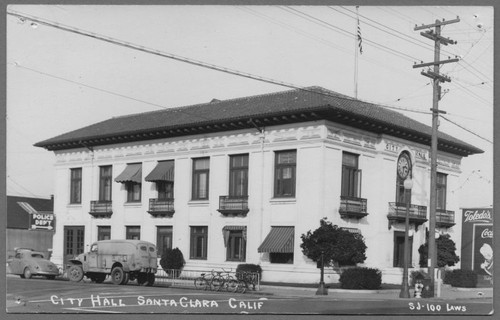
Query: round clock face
x=404, y=166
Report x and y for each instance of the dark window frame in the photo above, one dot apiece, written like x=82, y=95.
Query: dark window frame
x=75, y=186
x=164, y=234
x=132, y=231
x=132, y=192
x=236, y=246
x=282, y=189
x=198, y=233
x=351, y=175
x=102, y=232
x=105, y=183
x=441, y=190
x=197, y=187
x=238, y=172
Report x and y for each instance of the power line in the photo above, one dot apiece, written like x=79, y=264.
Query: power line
x=463, y=128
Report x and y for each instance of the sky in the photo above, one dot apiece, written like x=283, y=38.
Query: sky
x=58, y=81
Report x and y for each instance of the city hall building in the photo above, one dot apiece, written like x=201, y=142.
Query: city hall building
x=240, y=180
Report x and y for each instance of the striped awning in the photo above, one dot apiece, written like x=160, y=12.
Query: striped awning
x=164, y=171
x=279, y=239
x=132, y=173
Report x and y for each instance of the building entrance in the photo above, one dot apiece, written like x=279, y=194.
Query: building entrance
x=73, y=242
x=399, y=249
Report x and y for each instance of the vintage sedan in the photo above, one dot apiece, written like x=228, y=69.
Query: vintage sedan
x=28, y=263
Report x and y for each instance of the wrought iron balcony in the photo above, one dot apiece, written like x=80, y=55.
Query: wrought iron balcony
x=351, y=207
x=161, y=207
x=233, y=205
x=101, y=209
x=445, y=218
x=397, y=213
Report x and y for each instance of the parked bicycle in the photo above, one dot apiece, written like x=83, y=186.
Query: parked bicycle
x=205, y=281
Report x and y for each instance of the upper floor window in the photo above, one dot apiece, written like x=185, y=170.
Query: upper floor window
x=201, y=173
x=351, y=176
x=284, y=173
x=238, y=175
x=441, y=182
x=131, y=176
x=105, y=179
x=76, y=186
x=163, y=176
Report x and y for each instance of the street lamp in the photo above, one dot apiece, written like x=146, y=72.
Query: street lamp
x=322, y=289
x=405, y=290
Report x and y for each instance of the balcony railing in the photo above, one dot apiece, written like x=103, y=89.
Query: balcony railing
x=233, y=205
x=445, y=218
x=397, y=213
x=161, y=207
x=351, y=207
x=101, y=209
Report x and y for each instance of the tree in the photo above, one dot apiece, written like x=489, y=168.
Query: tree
x=172, y=259
x=445, y=252
x=336, y=245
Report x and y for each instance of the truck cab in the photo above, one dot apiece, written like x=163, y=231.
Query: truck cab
x=123, y=260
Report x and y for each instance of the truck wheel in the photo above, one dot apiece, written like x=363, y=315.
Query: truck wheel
x=126, y=277
x=117, y=275
x=75, y=273
x=151, y=279
x=27, y=273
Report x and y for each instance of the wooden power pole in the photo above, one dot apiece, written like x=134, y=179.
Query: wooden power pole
x=434, y=35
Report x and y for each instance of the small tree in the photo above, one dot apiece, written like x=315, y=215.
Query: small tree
x=172, y=259
x=445, y=252
x=335, y=244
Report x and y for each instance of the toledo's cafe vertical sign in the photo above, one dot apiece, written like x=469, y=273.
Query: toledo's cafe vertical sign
x=477, y=242
x=42, y=221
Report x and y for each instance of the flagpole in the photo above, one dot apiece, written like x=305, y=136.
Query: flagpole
x=357, y=38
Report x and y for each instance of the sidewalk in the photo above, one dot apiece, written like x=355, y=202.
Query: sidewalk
x=447, y=293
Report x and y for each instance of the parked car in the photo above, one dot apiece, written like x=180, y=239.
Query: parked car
x=123, y=260
x=28, y=263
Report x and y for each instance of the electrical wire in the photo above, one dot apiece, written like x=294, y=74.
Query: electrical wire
x=463, y=128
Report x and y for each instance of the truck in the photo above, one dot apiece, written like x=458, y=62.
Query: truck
x=123, y=260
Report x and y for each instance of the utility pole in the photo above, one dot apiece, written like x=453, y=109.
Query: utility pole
x=434, y=35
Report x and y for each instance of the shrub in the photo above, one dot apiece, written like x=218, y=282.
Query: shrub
x=361, y=278
x=418, y=274
x=445, y=252
x=460, y=278
x=172, y=259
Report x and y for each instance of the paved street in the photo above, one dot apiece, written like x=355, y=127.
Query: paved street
x=46, y=296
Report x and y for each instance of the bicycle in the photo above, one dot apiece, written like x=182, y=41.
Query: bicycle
x=204, y=282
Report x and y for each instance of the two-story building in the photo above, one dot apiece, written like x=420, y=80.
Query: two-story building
x=240, y=180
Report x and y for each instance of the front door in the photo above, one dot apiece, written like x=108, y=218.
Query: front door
x=73, y=242
x=399, y=249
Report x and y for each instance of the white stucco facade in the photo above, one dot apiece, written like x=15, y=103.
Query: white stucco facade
x=319, y=146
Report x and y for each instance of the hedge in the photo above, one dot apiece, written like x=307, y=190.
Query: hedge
x=361, y=278
x=460, y=278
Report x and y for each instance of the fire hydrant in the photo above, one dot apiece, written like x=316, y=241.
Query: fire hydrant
x=418, y=289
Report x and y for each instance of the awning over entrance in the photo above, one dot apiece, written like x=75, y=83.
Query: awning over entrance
x=164, y=171
x=279, y=239
x=132, y=173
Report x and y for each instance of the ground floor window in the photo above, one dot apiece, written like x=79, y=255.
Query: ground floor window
x=163, y=239
x=235, y=241
x=399, y=249
x=281, y=257
x=103, y=233
x=133, y=233
x=199, y=241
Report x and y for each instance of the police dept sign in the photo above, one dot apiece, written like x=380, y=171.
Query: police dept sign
x=477, y=242
x=42, y=221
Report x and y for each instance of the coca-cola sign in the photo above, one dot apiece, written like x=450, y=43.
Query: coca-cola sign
x=487, y=233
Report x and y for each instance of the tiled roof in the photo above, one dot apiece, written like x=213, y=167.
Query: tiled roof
x=312, y=103
x=18, y=216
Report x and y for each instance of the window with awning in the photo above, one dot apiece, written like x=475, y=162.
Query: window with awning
x=131, y=173
x=164, y=171
x=279, y=239
x=235, y=239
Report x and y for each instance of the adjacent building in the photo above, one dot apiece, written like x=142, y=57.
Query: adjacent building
x=240, y=180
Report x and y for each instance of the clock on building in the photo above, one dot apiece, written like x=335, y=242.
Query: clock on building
x=404, y=166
